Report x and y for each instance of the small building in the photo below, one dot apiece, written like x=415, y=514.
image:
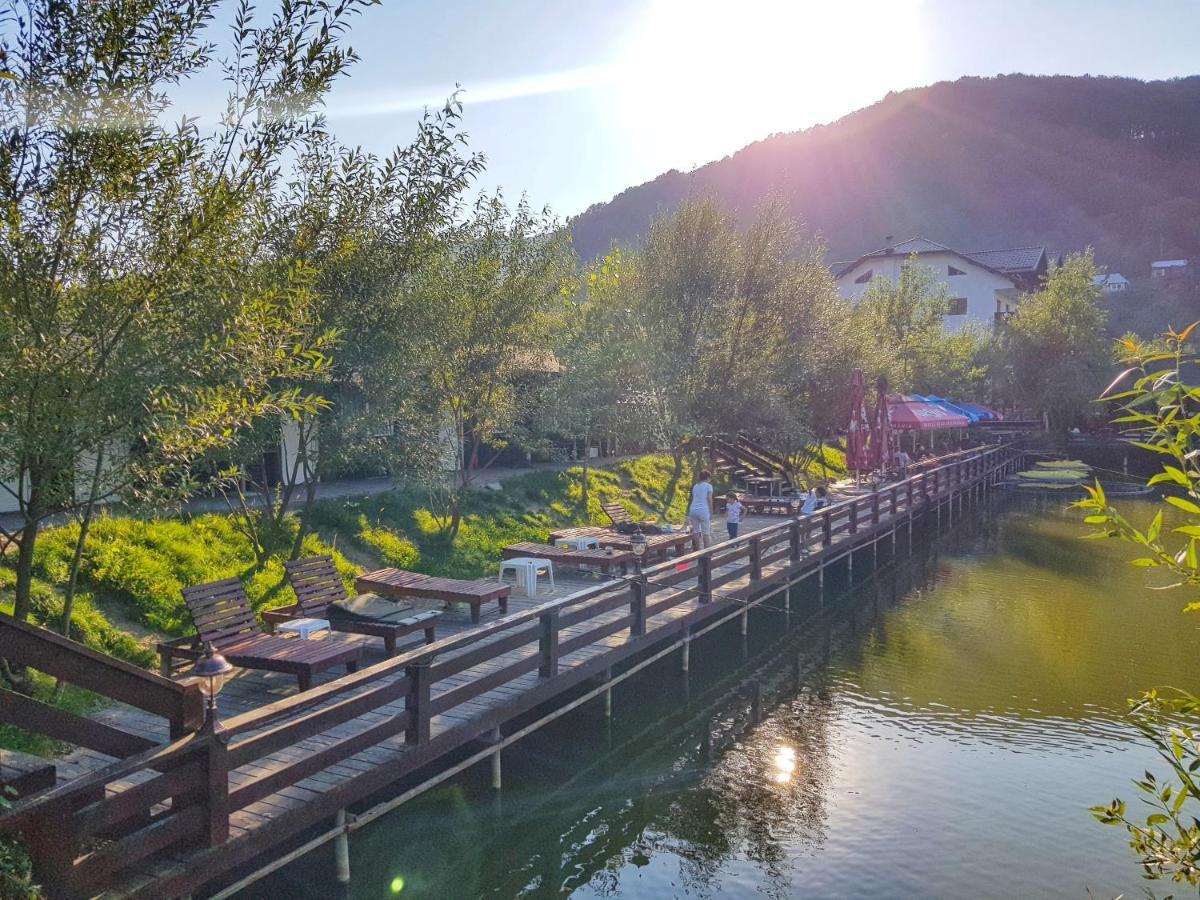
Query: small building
x=1111, y=282
x=1168, y=269
x=983, y=285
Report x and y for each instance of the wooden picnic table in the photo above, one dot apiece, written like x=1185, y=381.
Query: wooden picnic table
x=398, y=583
x=656, y=544
x=771, y=482
x=601, y=558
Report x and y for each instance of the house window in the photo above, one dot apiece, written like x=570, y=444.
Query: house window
x=950, y=270
x=864, y=277
x=958, y=307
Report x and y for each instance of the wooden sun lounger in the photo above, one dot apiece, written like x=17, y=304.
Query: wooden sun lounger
x=222, y=615
x=568, y=556
x=317, y=584
x=398, y=583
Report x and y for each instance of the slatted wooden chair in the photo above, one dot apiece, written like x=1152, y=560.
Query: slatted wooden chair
x=317, y=584
x=616, y=512
x=222, y=615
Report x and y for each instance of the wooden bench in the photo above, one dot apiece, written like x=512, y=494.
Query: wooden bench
x=222, y=615
x=601, y=559
x=25, y=774
x=399, y=584
x=317, y=585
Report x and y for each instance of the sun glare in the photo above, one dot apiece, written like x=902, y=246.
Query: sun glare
x=710, y=75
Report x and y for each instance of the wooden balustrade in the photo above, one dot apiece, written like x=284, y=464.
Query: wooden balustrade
x=184, y=793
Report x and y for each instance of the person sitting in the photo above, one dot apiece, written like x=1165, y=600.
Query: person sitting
x=810, y=502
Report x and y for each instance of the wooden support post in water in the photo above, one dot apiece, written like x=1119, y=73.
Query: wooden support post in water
x=341, y=849
x=497, y=773
x=687, y=649
x=821, y=582
x=608, y=694
x=744, y=622
x=850, y=567
x=787, y=598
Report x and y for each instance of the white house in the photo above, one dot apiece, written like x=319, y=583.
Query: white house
x=983, y=285
x=1166, y=269
x=1111, y=282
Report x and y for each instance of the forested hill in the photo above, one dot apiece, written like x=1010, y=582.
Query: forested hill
x=976, y=163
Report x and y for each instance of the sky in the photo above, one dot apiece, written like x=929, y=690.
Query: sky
x=572, y=101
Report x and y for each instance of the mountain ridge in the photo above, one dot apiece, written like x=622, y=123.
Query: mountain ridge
x=1008, y=161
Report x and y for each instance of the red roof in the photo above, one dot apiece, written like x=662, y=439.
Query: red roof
x=915, y=415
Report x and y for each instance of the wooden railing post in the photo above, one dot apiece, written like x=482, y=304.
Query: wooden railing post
x=826, y=529
x=794, y=540
x=875, y=507
x=548, y=644
x=216, y=790
x=637, y=607
x=52, y=847
x=416, y=702
x=755, y=559
x=895, y=500
x=909, y=502
x=854, y=516
x=704, y=578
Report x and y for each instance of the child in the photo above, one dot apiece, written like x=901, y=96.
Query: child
x=733, y=514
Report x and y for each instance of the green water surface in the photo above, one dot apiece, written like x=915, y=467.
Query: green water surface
x=937, y=731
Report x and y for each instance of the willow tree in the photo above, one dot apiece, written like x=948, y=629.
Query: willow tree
x=490, y=308
x=136, y=321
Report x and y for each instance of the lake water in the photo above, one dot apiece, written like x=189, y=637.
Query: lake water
x=938, y=731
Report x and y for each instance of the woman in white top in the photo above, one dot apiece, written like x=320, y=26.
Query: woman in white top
x=700, y=511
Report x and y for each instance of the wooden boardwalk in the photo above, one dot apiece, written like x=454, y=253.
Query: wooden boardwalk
x=179, y=816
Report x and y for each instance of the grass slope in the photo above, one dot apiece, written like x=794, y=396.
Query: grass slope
x=133, y=569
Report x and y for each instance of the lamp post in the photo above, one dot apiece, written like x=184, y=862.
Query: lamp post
x=211, y=671
x=637, y=543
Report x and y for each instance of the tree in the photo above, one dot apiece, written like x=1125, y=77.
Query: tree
x=1053, y=349
x=365, y=225
x=1163, y=401
x=134, y=321
x=494, y=299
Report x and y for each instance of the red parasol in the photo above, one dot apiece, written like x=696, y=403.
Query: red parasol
x=881, y=427
x=856, y=434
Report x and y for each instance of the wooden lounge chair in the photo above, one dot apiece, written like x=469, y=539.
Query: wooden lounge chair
x=222, y=615
x=399, y=584
x=616, y=513
x=318, y=585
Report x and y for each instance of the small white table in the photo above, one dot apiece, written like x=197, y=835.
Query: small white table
x=303, y=628
x=579, y=543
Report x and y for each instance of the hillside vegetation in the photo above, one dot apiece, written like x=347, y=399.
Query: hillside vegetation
x=134, y=568
x=1067, y=162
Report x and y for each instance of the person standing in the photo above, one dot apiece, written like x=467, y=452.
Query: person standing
x=700, y=511
x=734, y=508
x=903, y=461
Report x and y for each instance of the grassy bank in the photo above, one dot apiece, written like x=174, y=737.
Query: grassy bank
x=133, y=569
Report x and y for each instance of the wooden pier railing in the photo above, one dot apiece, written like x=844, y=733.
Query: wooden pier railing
x=419, y=705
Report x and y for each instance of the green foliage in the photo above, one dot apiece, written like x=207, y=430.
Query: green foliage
x=391, y=548
x=140, y=566
x=1052, y=351
x=72, y=699
x=1164, y=405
